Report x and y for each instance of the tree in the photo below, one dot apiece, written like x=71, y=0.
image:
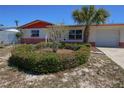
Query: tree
x=17, y=23
x=89, y=15
x=55, y=33
x=18, y=36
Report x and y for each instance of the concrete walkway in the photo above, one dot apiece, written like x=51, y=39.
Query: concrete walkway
x=116, y=54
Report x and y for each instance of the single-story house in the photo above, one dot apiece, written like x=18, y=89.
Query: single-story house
x=107, y=35
x=8, y=35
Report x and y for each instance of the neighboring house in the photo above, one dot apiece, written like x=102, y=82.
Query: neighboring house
x=107, y=35
x=8, y=35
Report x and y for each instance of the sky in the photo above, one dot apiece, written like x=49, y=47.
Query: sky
x=51, y=13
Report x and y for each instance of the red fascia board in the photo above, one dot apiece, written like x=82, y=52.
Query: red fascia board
x=36, y=24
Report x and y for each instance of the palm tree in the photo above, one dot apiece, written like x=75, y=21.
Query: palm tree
x=16, y=22
x=89, y=15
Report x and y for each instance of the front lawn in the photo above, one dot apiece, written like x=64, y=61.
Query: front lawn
x=99, y=71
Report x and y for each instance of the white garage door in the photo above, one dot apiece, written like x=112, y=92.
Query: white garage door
x=107, y=38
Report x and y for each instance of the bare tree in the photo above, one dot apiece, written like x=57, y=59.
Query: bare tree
x=55, y=33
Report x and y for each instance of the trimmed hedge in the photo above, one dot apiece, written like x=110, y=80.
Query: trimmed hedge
x=26, y=58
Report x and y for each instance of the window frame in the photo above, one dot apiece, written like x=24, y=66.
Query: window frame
x=75, y=35
x=35, y=33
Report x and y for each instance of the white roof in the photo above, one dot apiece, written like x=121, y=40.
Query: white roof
x=12, y=30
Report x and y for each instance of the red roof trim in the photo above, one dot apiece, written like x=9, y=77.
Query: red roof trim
x=34, y=22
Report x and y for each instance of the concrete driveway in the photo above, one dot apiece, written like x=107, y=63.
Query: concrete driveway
x=116, y=54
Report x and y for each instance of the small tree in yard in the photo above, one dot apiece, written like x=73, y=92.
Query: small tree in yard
x=18, y=36
x=55, y=33
x=88, y=16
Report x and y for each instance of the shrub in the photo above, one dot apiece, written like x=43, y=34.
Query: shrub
x=82, y=54
x=68, y=61
x=26, y=58
x=23, y=60
x=48, y=63
x=43, y=45
x=62, y=45
x=48, y=45
x=18, y=34
x=34, y=62
x=87, y=45
x=24, y=47
x=72, y=46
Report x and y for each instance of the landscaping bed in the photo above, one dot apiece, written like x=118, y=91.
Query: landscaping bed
x=40, y=59
x=98, y=72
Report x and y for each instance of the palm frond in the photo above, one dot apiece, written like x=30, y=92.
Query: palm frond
x=90, y=15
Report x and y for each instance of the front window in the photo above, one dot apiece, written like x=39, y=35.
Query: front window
x=34, y=33
x=75, y=35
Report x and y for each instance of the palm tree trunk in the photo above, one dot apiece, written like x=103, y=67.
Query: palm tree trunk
x=86, y=34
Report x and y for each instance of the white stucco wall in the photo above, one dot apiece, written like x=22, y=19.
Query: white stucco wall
x=8, y=37
x=27, y=33
x=65, y=35
x=92, y=36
